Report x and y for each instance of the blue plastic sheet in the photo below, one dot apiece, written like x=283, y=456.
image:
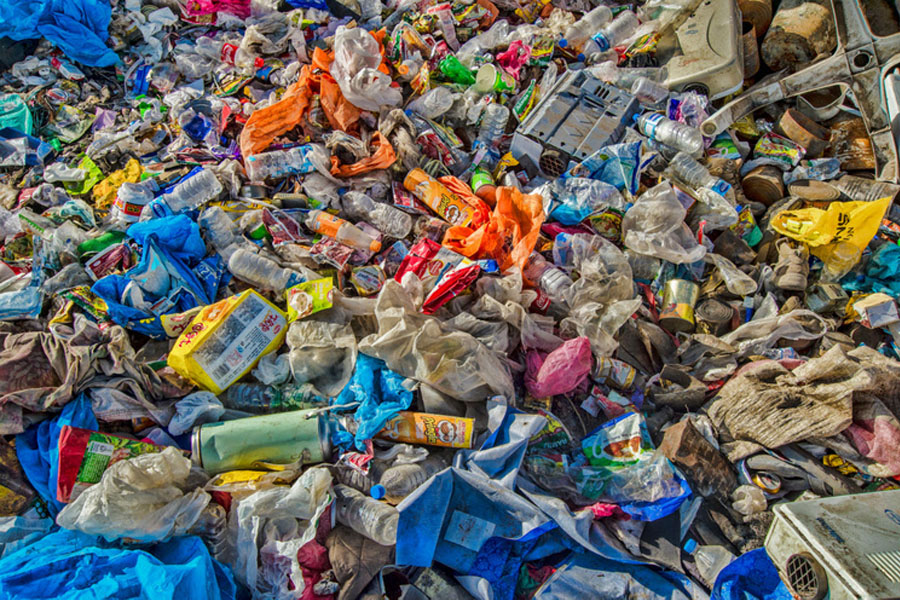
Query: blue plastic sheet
x=751, y=576
x=590, y=576
x=882, y=273
x=475, y=527
x=78, y=27
x=380, y=393
x=75, y=566
x=37, y=448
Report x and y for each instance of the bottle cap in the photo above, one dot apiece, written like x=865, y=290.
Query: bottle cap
x=377, y=491
x=690, y=546
x=563, y=43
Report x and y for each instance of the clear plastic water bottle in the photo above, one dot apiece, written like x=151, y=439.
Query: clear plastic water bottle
x=193, y=192
x=433, y=103
x=389, y=220
x=343, y=231
x=617, y=31
x=220, y=229
x=648, y=91
x=581, y=30
x=261, y=271
x=262, y=398
x=671, y=133
x=280, y=163
x=493, y=124
x=709, y=560
x=366, y=516
x=547, y=276
x=399, y=481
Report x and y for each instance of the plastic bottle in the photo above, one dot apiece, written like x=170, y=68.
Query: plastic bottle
x=581, y=30
x=433, y=103
x=671, y=133
x=280, y=163
x=709, y=560
x=547, y=276
x=220, y=229
x=261, y=271
x=493, y=125
x=366, y=516
x=399, y=481
x=648, y=91
x=688, y=170
x=193, y=192
x=617, y=31
x=131, y=198
x=262, y=398
x=749, y=500
x=389, y=220
x=343, y=231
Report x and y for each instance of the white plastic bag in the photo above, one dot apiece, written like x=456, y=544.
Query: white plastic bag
x=195, y=409
x=655, y=226
x=355, y=68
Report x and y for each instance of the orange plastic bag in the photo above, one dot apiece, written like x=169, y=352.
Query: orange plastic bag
x=266, y=124
x=382, y=158
x=508, y=237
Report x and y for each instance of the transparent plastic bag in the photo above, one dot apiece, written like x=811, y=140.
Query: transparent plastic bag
x=415, y=345
x=322, y=353
x=195, y=409
x=143, y=498
x=655, y=226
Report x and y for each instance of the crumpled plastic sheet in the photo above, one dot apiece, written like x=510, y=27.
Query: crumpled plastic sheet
x=41, y=370
x=380, y=394
x=271, y=526
x=140, y=498
x=18, y=532
x=76, y=566
x=578, y=578
x=415, y=345
x=79, y=27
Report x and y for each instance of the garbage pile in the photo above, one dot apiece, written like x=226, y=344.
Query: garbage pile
x=503, y=299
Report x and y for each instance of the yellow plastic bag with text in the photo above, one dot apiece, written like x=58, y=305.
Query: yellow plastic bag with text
x=853, y=222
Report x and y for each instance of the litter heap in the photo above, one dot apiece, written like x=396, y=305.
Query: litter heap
x=434, y=299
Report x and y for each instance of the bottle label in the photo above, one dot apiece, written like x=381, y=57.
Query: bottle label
x=649, y=123
x=328, y=224
x=228, y=52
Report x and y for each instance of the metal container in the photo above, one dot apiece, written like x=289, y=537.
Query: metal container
x=677, y=312
x=280, y=438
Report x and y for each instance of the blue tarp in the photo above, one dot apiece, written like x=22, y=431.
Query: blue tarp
x=78, y=27
x=751, y=576
x=76, y=566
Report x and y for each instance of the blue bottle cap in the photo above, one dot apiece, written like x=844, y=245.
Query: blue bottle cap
x=563, y=43
x=377, y=491
x=690, y=546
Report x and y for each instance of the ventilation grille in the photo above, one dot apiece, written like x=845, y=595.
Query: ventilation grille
x=888, y=563
x=805, y=577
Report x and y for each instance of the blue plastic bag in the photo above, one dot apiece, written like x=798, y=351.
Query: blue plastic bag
x=75, y=566
x=751, y=576
x=172, y=245
x=78, y=27
x=37, y=448
x=380, y=393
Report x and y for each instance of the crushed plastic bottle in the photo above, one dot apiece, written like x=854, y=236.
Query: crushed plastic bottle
x=367, y=516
